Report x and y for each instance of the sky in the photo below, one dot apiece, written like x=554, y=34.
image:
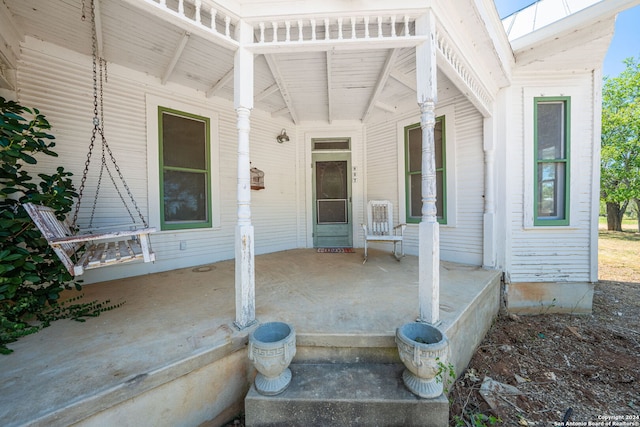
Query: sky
x=626, y=39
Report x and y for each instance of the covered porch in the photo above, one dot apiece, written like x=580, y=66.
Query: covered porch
x=171, y=354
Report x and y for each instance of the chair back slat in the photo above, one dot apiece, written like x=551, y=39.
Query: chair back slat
x=52, y=228
x=380, y=216
x=380, y=227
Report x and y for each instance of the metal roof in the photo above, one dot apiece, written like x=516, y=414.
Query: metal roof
x=541, y=14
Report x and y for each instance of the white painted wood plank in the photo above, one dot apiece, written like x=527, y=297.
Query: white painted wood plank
x=382, y=80
x=277, y=75
x=329, y=87
x=220, y=83
x=176, y=57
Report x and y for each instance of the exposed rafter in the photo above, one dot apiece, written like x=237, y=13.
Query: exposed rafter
x=176, y=57
x=382, y=80
x=275, y=70
x=220, y=83
x=385, y=107
x=329, y=86
x=265, y=93
x=409, y=82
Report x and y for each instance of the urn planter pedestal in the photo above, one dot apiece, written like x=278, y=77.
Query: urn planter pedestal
x=421, y=347
x=271, y=348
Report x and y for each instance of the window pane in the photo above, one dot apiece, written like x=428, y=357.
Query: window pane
x=438, y=140
x=184, y=142
x=550, y=130
x=551, y=187
x=331, y=144
x=185, y=197
x=416, y=196
x=331, y=180
x=415, y=149
x=332, y=211
x=439, y=194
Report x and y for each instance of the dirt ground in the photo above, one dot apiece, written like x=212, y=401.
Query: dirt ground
x=583, y=370
x=586, y=368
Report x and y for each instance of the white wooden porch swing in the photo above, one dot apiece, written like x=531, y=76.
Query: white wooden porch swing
x=79, y=252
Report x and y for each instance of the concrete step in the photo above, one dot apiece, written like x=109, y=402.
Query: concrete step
x=346, y=348
x=348, y=394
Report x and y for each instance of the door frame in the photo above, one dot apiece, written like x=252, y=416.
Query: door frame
x=355, y=133
x=329, y=156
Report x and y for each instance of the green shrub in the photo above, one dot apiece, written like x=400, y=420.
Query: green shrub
x=31, y=275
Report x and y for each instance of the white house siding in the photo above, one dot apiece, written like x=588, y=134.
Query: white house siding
x=59, y=83
x=382, y=164
x=461, y=242
x=550, y=254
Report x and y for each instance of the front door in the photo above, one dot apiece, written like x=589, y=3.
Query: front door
x=332, y=200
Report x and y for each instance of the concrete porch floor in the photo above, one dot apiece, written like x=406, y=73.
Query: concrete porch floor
x=176, y=322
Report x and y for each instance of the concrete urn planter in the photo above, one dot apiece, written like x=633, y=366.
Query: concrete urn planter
x=271, y=348
x=421, y=346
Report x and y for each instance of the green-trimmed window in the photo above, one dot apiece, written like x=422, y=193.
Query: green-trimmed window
x=185, y=170
x=413, y=168
x=551, y=145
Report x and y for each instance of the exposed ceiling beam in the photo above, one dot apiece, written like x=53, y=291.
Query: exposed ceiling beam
x=329, y=86
x=220, y=83
x=268, y=91
x=382, y=80
x=176, y=57
x=409, y=82
x=275, y=70
x=98, y=24
x=386, y=107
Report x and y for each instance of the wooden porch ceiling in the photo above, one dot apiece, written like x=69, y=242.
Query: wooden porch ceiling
x=321, y=86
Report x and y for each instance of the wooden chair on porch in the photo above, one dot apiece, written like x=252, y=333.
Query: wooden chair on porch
x=380, y=227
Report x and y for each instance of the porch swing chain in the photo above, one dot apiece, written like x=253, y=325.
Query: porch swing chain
x=98, y=127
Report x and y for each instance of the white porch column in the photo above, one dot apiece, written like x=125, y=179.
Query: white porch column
x=244, y=254
x=489, y=217
x=429, y=232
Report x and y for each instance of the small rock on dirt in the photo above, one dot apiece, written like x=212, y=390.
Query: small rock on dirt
x=492, y=390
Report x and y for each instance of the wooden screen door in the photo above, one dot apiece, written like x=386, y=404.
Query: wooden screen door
x=332, y=200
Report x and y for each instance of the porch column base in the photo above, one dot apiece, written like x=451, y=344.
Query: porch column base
x=240, y=327
x=429, y=272
x=245, y=277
